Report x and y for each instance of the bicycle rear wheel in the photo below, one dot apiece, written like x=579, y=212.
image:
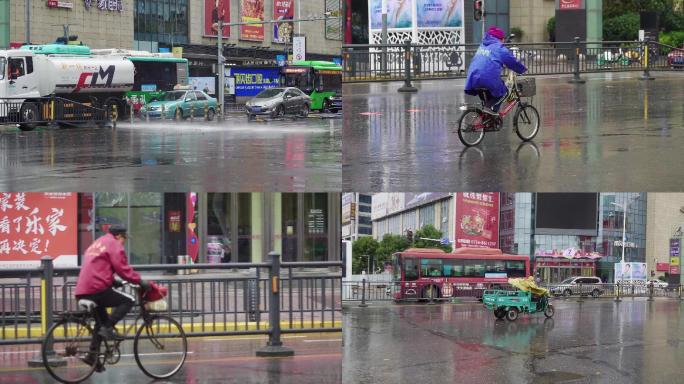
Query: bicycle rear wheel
x=526, y=122
x=160, y=347
x=471, y=127
x=70, y=340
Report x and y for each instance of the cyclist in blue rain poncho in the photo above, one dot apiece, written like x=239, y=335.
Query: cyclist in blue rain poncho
x=486, y=67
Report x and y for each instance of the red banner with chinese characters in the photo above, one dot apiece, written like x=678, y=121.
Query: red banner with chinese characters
x=565, y=5
x=252, y=11
x=283, y=13
x=215, y=10
x=662, y=267
x=33, y=225
x=477, y=220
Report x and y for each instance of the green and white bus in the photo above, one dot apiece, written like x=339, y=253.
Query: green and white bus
x=321, y=80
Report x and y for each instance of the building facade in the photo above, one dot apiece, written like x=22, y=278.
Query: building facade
x=356, y=216
x=208, y=227
x=556, y=250
x=189, y=24
x=665, y=224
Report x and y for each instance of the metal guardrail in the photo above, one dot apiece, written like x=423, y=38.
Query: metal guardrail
x=377, y=291
x=51, y=110
x=408, y=62
x=267, y=298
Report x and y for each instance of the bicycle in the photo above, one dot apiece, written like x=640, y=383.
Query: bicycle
x=159, y=342
x=476, y=121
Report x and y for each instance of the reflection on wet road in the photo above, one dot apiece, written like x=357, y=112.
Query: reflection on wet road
x=286, y=155
x=318, y=359
x=598, y=341
x=615, y=132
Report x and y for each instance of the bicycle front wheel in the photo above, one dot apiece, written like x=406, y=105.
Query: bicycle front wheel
x=471, y=127
x=160, y=347
x=66, y=351
x=526, y=122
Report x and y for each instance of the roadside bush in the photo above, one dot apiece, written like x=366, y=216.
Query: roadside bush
x=674, y=38
x=623, y=27
x=551, y=29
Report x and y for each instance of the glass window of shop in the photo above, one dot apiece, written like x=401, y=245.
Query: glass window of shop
x=234, y=224
x=304, y=223
x=163, y=22
x=444, y=217
x=427, y=215
x=141, y=212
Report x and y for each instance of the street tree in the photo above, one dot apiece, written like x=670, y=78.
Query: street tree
x=362, y=249
x=430, y=232
x=388, y=245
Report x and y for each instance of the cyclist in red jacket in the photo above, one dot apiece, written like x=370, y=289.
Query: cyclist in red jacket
x=105, y=257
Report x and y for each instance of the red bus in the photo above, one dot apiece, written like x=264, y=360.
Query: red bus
x=422, y=273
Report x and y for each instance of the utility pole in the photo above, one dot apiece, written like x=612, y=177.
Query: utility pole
x=27, y=16
x=384, y=36
x=220, y=69
x=484, y=17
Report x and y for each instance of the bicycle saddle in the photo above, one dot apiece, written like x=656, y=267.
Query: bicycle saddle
x=86, y=304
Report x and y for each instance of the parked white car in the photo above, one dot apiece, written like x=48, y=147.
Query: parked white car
x=657, y=283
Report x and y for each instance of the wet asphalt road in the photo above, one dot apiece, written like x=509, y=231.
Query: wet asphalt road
x=615, y=132
x=598, y=341
x=318, y=359
x=285, y=155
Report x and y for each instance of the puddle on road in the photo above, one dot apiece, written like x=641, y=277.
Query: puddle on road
x=557, y=377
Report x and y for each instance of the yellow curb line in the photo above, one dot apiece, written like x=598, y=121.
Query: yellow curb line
x=24, y=332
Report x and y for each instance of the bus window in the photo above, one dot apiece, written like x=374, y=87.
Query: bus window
x=431, y=268
x=474, y=268
x=515, y=268
x=452, y=268
x=329, y=82
x=495, y=266
x=162, y=74
x=410, y=269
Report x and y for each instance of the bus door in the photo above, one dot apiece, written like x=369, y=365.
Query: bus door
x=411, y=275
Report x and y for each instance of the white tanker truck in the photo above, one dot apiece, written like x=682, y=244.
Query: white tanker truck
x=31, y=74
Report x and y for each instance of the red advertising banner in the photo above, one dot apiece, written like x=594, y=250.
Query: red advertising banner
x=565, y=5
x=252, y=11
x=33, y=225
x=662, y=267
x=674, y=269
x=215, y=10
x=477, y=220
x=283, y=13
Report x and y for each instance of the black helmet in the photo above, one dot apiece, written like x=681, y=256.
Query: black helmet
x=118, y=229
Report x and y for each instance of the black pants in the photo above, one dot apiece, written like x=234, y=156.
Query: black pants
x=110, y=298
x=494, y=102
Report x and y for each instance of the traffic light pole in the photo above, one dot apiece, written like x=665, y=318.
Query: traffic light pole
x=484, y=18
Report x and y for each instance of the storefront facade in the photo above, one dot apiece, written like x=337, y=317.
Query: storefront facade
x=234, y=227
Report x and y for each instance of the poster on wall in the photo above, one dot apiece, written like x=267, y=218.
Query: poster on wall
x=630, y=271
x=283, y=13
x=440, y=13
x=205, y=84
x=33, y=225
x=252, y=11
x=191, y=240
x=399, y=14
x=477, y=220
x=215, y=10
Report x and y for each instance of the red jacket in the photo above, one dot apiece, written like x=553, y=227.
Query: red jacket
x=102, y=259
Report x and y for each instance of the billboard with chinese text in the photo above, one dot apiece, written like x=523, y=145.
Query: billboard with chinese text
x=477, y=220
x=283, y=13
x=252, y=11
x=250, y=81
x=33, y=225
x=215, y=10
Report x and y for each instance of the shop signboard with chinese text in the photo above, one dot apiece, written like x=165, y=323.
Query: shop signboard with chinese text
x=34, y=225
x=569, y=5
x=675, y=254
x=477, y=220
x=250, y=81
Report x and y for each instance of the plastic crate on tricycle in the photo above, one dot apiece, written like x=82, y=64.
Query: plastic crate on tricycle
x=528, y=298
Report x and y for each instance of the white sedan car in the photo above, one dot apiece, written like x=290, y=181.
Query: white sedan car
x=657, y=283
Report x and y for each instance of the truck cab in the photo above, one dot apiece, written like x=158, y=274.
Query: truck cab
x=18, y=78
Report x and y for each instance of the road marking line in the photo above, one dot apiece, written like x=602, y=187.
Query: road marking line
x=156, y=354
x=251, y=338
x=318, y=341
x=17, y=352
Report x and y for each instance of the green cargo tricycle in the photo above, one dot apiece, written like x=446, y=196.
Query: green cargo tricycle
x=528, y=298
